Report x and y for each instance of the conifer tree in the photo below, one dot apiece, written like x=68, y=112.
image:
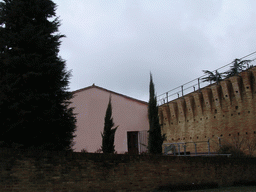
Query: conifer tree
x=108, y=135
x=237, y=67
x=33, y=79
x=155, y=139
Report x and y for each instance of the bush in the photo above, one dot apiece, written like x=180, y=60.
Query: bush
x=229, y=149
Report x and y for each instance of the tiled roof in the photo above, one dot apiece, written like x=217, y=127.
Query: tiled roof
x=112, y=92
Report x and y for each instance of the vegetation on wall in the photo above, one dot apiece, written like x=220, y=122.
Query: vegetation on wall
x=155, y=139
x=217, y=77
x=108, y=136
x=33, y=79
x=237, y=67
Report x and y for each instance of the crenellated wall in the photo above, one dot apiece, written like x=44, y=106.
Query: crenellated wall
x=226, y=111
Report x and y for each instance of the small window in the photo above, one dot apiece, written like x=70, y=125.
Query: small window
x=236, y=107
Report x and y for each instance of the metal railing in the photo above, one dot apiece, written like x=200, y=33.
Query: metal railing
x=196, y=84
x=170, y=149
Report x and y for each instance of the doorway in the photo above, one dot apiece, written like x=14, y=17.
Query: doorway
x=132, y=140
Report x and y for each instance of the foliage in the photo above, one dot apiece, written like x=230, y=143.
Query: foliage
x=237, y=67
x=230, y=149
x=155, y=139
x=239, y=146
x=217, y=77
x=84, y=151
x=250, y=145
x=108, y=135
x=98, y=150
x=33, y=80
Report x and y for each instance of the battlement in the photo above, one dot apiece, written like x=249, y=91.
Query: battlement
x=221, y=110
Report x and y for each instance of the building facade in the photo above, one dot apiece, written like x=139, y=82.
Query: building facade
x=129, y=114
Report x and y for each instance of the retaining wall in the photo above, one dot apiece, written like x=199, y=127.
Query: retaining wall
x=30, y=171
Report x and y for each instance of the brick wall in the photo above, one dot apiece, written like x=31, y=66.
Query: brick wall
x=225, y=111
x=30, y=171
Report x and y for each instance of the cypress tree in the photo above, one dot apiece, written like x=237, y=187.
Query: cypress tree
x=155, y=139
x=108, y=135
x=33, y=79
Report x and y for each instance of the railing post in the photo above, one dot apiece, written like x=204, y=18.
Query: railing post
x=178, y=149
x=167, y=97
x=182, y=90
x=198, y=84
x=184, y=149
x=195, y=149
x=208, y=146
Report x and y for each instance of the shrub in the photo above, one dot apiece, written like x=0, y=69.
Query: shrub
x=229, y=149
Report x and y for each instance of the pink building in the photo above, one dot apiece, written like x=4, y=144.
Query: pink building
x=90, y=105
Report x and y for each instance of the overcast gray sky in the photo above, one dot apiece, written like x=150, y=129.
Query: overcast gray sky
x=116, y=43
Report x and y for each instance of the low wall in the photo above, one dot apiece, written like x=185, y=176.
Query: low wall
x=31, y=171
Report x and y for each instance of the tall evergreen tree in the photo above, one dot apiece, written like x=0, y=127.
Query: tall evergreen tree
x=33, y=79
x=155, y=139
x=108, y=135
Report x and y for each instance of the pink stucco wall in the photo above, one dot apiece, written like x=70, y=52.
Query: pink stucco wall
x=90, y=105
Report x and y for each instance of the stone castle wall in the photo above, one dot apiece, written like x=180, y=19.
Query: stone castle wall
x=226, y=111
